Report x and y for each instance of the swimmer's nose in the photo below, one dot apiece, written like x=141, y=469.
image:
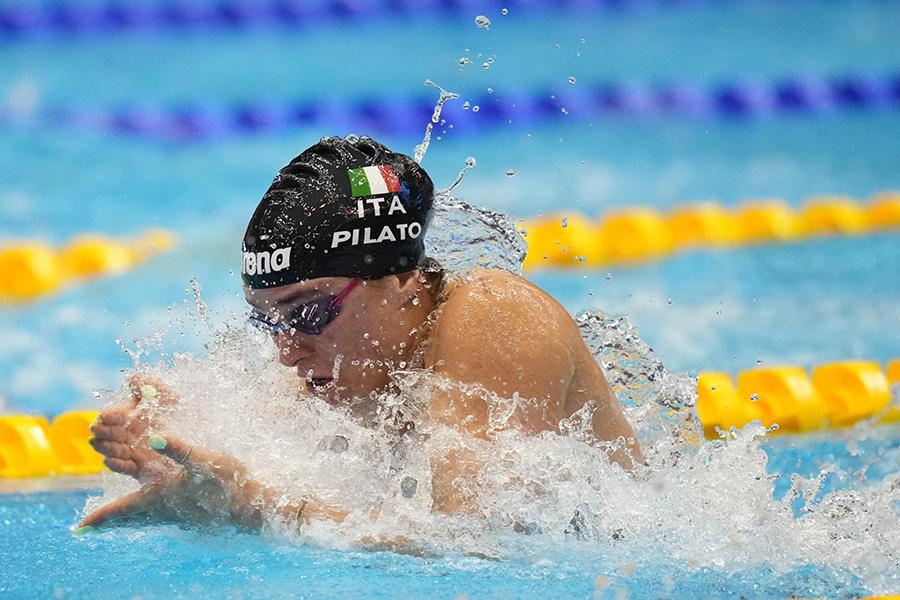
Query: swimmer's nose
x=290, y=350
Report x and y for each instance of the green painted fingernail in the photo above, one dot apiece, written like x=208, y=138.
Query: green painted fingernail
x=148, y=391
x=91, y=428
x=90, y=439
x=86, y=529
x=157, y=442
x=99, y=419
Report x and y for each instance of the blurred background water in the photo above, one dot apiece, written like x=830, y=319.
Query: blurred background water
x=115, y=117
x=68, y=165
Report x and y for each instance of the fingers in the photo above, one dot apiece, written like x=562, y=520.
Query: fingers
x=147, y=387
x=116, y=416
x=125, y=466
x=133, y=504
x=179, y=451
x=198, y=460
x=106, y=432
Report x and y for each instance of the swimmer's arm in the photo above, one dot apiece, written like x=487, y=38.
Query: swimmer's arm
x=208, y=487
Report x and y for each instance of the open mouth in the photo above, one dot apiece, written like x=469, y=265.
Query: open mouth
x=318, y=385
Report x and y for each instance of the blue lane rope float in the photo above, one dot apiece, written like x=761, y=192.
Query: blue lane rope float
x=405, y=115
x=67, y=18
x=638, y=234
x=838, y=395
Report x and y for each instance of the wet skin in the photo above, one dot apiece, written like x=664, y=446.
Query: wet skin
x=492, y=330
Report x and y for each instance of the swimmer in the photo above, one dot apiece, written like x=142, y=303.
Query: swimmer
x=334, y=267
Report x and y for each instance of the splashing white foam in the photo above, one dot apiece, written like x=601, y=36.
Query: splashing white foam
x=696, y=505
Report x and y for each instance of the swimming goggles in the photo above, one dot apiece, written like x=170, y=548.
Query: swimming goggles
x=309, y=318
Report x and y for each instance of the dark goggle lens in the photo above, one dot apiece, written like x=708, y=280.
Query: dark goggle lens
x=309, y=318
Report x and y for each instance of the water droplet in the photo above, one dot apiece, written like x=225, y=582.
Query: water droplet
x=483, y=21
x=670, y=301
x=464, y=61
x=467, y=50
x=475, y=109
x=485, y=66
x=470, y=162
x=491, y=59
x=571, y=80
x=565, y=222
x=510, y=173
x=609, y=276
x=754, y=397
x=528, y=137
x=490, y=90
x=479, y=55
x=466, y=105
x=557, y=46
x=582, y=40
x=415, y=301
x=504, y=11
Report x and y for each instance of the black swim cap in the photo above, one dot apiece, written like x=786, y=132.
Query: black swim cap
x=343, y=208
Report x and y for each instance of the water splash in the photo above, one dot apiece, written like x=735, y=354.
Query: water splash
x=470, y=162
x=464, y=238
x=482, y=22
x=698, y=511
x=422, y=148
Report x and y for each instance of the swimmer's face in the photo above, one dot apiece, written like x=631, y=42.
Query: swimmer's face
x=355, y=352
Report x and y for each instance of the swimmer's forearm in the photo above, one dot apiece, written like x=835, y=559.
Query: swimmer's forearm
x=300, y=511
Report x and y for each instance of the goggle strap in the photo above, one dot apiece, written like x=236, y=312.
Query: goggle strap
x=340, y=297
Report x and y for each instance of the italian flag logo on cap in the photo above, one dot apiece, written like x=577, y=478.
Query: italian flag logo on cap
x=373, y=181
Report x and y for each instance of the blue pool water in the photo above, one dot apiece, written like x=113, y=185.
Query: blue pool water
x=804, y=304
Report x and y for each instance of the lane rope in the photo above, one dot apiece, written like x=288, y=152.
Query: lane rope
x=32, y=269
x=406, y=115
x=636, y=235
x=45, y=19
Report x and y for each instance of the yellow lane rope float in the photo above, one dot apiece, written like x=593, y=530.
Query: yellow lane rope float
x=29, y=269
x=639, y=234
x=838, y=395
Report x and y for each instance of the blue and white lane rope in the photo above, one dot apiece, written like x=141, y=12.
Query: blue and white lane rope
x=65, y=18
x=401, y=115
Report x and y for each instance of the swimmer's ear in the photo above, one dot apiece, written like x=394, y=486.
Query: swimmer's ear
x=405, y=286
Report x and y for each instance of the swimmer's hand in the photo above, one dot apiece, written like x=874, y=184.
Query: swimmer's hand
x=197, y=486
x=120, y=432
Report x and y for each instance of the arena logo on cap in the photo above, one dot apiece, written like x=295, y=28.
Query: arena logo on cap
x=373, y=181
x=259, y=263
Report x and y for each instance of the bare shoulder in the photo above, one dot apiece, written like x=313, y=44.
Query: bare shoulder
x=491, y=292
x=497, y=320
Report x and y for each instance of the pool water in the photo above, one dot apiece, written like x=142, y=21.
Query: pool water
x=805, y=303
x=166, y=562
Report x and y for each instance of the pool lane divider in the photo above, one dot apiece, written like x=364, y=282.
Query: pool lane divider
x=638, y=234
x=22, y=21
x=31, y=269
x=407, y=114
x=837, y=395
